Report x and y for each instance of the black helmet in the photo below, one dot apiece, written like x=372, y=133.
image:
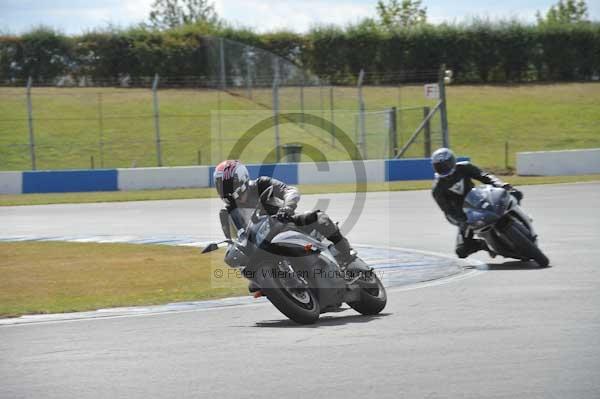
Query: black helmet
x=443, y=162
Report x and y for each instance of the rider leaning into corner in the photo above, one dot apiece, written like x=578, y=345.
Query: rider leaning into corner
x=452, y=184
x=238, y=192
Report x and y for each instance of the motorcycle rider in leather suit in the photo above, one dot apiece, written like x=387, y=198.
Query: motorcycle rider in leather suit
x=453, y=181
x=237, y=191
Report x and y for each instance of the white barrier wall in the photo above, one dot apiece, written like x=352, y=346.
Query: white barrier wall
x=11, y=182
x=556, y=163
x=339, y=172
x=158, y=178
x=49, y=181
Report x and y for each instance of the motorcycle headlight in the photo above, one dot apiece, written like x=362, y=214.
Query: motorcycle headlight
x=262, y=232
x=480, y=223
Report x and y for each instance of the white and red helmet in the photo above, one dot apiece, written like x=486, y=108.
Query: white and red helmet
x=231, y=179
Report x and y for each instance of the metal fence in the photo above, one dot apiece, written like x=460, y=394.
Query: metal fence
x=128, y=121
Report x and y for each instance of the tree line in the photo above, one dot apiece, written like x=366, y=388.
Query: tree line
x=562, y=46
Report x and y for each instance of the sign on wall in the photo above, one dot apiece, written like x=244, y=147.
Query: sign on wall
x=432, y=91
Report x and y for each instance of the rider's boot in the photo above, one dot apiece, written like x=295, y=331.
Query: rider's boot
x=471, y=246
x=487, y=248
x=468, y=247
x=253, y=287
x=346, y=254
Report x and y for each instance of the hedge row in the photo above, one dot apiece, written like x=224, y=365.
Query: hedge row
x=479, y=52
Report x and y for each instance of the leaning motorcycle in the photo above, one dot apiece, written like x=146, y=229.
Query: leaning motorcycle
x=494, y=215
x=298, y=272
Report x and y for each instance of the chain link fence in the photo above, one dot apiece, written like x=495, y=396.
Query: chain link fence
x=77, y=123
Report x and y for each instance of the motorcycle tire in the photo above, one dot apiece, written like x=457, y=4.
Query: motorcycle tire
x=372, y=300
x=300, y=306
x=524, y=244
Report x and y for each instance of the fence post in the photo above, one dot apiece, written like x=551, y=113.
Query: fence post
x=222, y=64
x=331, y=108
x=219, y=126
x=101, y=130
x=427, y=131
x=443, y=109
x=276, y=108
x=156, y=120
x=321, y=102
x=30, y=122
x=302, y=100
x=400, y=125
x=361, y=116
x=222, y=87
x=393, y=132
x=421, y=126
x=248, y=77
x=506, y=156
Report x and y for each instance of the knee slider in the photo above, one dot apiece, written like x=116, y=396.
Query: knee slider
x=326, y=225
x=461, y=251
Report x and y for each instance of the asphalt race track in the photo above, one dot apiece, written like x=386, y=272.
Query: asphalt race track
x=511, y=331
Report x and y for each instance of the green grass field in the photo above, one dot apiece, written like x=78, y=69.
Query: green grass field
x=68, y=130
x=52, y=277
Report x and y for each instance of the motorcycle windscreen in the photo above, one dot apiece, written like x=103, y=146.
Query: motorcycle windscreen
x=499, y=198
x=479, y=207
x=474, y=199
x=486, y=199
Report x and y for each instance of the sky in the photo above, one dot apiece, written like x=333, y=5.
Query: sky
x=77, y=16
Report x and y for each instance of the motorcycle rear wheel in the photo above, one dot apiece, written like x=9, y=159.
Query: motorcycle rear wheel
x=525, y=245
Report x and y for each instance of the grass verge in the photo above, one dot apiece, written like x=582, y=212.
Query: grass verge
x=148, y=195
x=54, y=277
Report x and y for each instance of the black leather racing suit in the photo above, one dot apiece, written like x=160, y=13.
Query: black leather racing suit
x=449, y=192
x=283, y=196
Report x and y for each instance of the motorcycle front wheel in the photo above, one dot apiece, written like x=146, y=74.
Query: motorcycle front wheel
x=372, y=299
x=518, y=235
x=298, y=304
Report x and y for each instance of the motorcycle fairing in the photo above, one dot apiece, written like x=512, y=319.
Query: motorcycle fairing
x=292, y=238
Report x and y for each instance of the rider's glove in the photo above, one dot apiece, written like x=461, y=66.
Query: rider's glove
x=513, y=191
x=517, y=194
x=285, y=214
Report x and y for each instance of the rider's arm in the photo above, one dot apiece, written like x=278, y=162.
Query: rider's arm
x=225, y=223
x=454, y=215
x=483, y=176
x=229, y=216
x=288, y=194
